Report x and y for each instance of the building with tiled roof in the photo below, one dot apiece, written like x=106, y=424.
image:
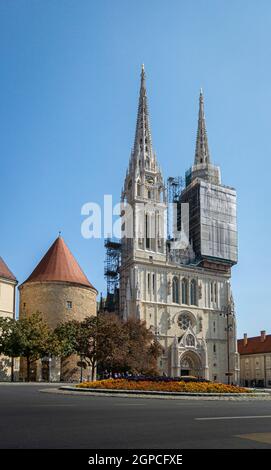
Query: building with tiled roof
x=255, y=360
x=59, y=265
x=60, y=291
x=8, y=283
x=5, y=272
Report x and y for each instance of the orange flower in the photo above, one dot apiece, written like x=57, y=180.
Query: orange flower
x=180, y=386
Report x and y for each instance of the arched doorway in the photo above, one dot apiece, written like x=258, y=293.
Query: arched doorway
x=190, y=365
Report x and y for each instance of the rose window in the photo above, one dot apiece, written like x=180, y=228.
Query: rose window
x=184, y=321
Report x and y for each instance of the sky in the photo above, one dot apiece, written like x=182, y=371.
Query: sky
x=69, y=87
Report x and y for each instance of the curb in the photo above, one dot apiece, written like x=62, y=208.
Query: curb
x=158, y=393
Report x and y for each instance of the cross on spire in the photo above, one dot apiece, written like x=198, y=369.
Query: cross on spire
x=202, y=154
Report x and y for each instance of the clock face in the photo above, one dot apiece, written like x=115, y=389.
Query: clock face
x=150, y=180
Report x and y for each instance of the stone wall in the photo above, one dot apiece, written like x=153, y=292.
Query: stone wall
x=58, y=302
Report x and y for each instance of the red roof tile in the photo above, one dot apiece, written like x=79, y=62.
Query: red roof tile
x=5, y=271
x=59, y=264
x=255, y=345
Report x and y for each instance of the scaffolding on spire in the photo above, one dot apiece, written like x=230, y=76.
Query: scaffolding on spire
x=175, y=185
x=111, y=273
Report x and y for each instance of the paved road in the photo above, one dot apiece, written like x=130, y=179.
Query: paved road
x=31, y=419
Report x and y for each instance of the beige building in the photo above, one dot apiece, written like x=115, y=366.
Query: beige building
x=61, y=292
x=255, y=360
x=8, y=285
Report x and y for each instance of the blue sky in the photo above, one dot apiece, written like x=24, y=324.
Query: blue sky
x=69, y=88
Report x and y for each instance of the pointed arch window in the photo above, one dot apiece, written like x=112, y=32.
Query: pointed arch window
x=175, y=290
x=138, y=189
x=184, y=291
x=193, y=292
x=214, y=292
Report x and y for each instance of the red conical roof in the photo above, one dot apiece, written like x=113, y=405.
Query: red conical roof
x=5, y=271
x=59, y=265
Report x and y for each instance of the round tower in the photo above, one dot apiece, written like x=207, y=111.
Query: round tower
x=60, y=291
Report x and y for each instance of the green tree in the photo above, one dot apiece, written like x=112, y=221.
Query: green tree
x=9, y=340
x=111, y=344
x=143, y=348
x=28, y=337
x=97, y=339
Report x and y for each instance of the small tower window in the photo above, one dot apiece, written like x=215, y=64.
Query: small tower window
x=69, y=304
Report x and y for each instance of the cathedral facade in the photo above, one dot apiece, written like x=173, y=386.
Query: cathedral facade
x=180, y=285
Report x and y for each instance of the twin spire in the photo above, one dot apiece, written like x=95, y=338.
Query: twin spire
x=143, y=143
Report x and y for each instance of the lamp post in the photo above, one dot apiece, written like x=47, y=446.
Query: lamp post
x=227, y=312
x=49, y=367
x=81, y=368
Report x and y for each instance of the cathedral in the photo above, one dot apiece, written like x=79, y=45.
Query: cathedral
x=180, y=284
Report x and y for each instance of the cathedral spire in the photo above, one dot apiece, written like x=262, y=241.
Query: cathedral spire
x=202, y=154
x=143, y=144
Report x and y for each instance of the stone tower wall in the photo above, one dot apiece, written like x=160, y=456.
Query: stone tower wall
x=51, y=300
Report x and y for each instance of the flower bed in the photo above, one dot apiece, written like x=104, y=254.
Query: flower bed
x=181, y=386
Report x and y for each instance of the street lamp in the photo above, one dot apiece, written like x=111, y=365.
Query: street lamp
x=228, y=312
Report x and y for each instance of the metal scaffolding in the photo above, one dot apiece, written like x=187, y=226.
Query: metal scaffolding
x=175, y=184
x=111, y=273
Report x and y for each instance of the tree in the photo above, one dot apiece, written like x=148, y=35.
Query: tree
x=28, y=337
x=67, y=335
x=143, y=348
x=127, y=346
x=110, y=343
x=96, y=340
x=9, y=340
